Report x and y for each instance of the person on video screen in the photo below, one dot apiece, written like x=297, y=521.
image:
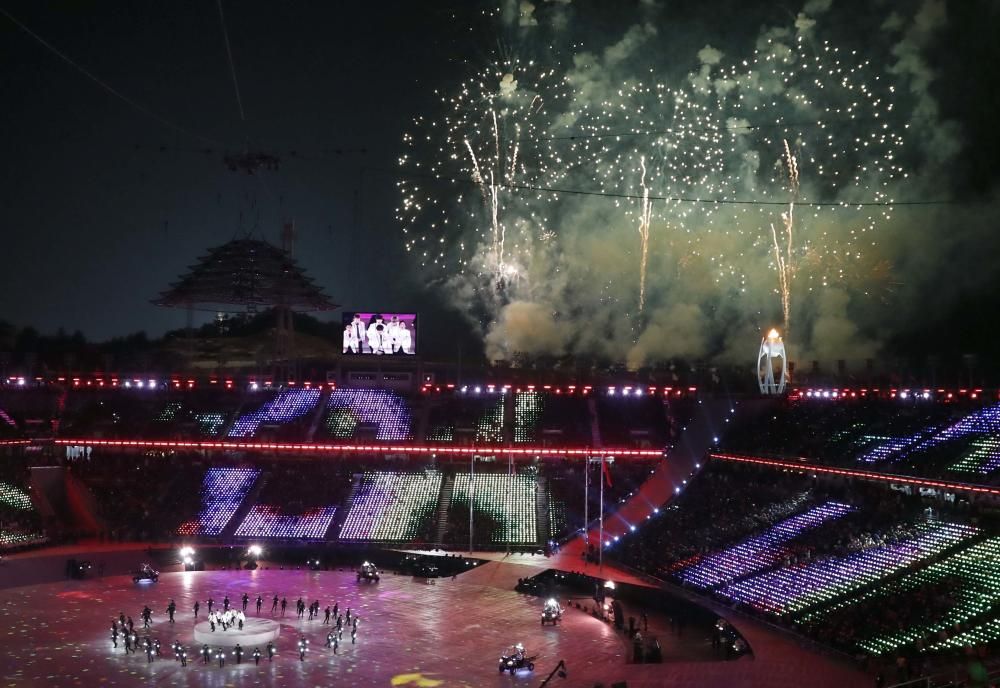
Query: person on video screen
x=393, y=332
x=387, y=338
x=403, y=342
x=351, y=342
x=358, y=333
x=378, y=335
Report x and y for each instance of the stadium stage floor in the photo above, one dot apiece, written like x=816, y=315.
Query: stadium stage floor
x=411, y=634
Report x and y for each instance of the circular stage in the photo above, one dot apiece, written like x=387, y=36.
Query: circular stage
x=256, y=632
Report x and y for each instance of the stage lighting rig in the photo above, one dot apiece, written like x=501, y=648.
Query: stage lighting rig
x=187, y=557
x=560, y=670
x=254, y=553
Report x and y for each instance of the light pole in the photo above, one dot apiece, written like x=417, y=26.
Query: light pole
x=509, y=496
x=600, y=543
x=560, y=668
x=586, y=507
x=472, y=489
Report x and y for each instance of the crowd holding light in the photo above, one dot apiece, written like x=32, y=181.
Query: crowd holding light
x=391, y=506
x=223, y=490
x=387, y=410
x=268, y=521
x=759, y=552
x=790, y=589
x=918, y=607
x=287, y=406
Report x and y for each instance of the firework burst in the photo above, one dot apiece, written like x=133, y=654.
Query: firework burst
x=470, y=203
x=807, y=124
x=768, y=176
x=651, y=148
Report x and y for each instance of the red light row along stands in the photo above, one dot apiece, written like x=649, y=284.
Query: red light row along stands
x=938, y=394
x=354, y=449
x=99, y=381
x=584, y=390
x=113, y=381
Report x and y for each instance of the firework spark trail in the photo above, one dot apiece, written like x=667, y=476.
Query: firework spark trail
x=490, y=193
x=705, y=137
x=494, y=201
x=850, y=147
x=477, y=174
x=492, y=133
x=645, y=214
x=784, y=262
x=498, y=229
x=686, y=160
x=492, y=189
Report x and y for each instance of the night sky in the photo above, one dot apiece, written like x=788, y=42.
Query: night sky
x=102, y=205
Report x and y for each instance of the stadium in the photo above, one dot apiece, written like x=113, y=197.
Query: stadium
x=830, y=527
x=645, y=353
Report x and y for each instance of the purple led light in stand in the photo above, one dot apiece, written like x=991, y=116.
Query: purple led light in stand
x=287, y=406
x=380, y=407
x=761, y=551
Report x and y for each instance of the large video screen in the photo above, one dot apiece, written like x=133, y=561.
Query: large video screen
x=381, y=334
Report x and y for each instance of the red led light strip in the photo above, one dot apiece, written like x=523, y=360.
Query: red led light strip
x=12, y=443
x=866, y=475
x=359, y=448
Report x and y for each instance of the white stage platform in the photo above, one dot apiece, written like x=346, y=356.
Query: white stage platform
x=256, y=633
